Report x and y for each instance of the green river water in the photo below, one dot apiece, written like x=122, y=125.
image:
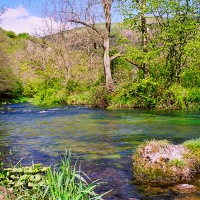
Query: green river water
x=104, y=141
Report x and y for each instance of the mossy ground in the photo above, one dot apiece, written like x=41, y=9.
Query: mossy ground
x=162, y=163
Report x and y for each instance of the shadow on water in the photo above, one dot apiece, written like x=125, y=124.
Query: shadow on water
x=104, y=141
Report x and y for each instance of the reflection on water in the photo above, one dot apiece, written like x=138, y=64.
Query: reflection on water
x=104, y=139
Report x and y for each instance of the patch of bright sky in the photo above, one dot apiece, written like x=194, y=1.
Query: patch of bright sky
x=32, y=6
x=22, y=15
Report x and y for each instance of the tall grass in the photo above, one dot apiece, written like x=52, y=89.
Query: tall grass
x=194, y=147
x=68, y=183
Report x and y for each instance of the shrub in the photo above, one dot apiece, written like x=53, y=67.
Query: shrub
x=178, y=97
x=98, y=97
x=11, y=34
x=137, y=94
x=46, y=92
x=73, y=87
x=23, y=36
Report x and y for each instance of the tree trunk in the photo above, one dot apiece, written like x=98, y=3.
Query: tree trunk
x=144, y=37
x=107, y=60
x=107, y=70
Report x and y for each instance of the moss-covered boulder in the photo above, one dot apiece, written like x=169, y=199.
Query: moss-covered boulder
x=163, y=163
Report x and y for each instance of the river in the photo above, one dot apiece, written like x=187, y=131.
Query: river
x=103, y=140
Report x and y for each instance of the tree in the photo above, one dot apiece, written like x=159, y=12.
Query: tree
x=8, y=78
x=177, y=26
x=87, y=13
x=136, y=18
x=165, y=27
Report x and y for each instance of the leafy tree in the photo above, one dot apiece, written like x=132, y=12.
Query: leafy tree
x=8, y=80
x=165, y=28
x=177, y=26
x=138, y=20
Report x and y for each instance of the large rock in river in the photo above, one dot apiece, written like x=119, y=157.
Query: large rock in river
x=163, y=163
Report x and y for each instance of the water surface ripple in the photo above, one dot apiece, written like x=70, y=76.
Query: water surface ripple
x=104, y=141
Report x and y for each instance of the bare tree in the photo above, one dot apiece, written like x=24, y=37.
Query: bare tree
x=88, y=13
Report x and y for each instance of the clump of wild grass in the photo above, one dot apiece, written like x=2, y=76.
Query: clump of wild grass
x=194, y=147
x=71, y=184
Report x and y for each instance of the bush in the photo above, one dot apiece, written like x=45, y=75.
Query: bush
x=73, y=87
x=46, y=92
x=142, y=94
x=98, y=97
x=11, y=34
x=23, y=36
x=178, y=97
x=190, y=78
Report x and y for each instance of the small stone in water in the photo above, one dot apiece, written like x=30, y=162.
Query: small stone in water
x=185, y=187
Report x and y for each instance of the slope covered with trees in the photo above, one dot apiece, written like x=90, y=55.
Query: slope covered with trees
x=153, y=56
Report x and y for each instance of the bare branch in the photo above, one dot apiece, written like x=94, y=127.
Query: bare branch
x=119, y=54
x=88, y=25
x=133, y=62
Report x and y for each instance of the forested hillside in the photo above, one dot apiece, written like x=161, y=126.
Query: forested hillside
x=153, y=57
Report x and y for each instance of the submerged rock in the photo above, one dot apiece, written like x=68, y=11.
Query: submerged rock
x=186, y=187
x=163, y=163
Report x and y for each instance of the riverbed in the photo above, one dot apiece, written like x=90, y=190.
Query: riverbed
x=103, y=141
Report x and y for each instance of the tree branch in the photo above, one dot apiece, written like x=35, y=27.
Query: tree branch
x=88, y=25
x=119, y=54
x=134, y=63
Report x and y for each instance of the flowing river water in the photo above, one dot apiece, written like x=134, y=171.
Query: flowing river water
x=104, y=141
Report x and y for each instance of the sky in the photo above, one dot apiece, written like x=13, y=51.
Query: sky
x=24, y=16
x=21, y=15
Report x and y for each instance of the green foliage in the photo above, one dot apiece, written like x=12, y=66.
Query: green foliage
x=23, y=36
x=70, y=184
x=78, y=99
x=159, y=43
x=190, y=78
x=11, y=34
x=137, y=94
x=178, y=97
x=74, y=87
x=29, y=177
x=46, y=92
x=194, y=147
x=98, y=97
x=9, y=86
x=50, y=96
x=177, y=163
x=63, y=181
